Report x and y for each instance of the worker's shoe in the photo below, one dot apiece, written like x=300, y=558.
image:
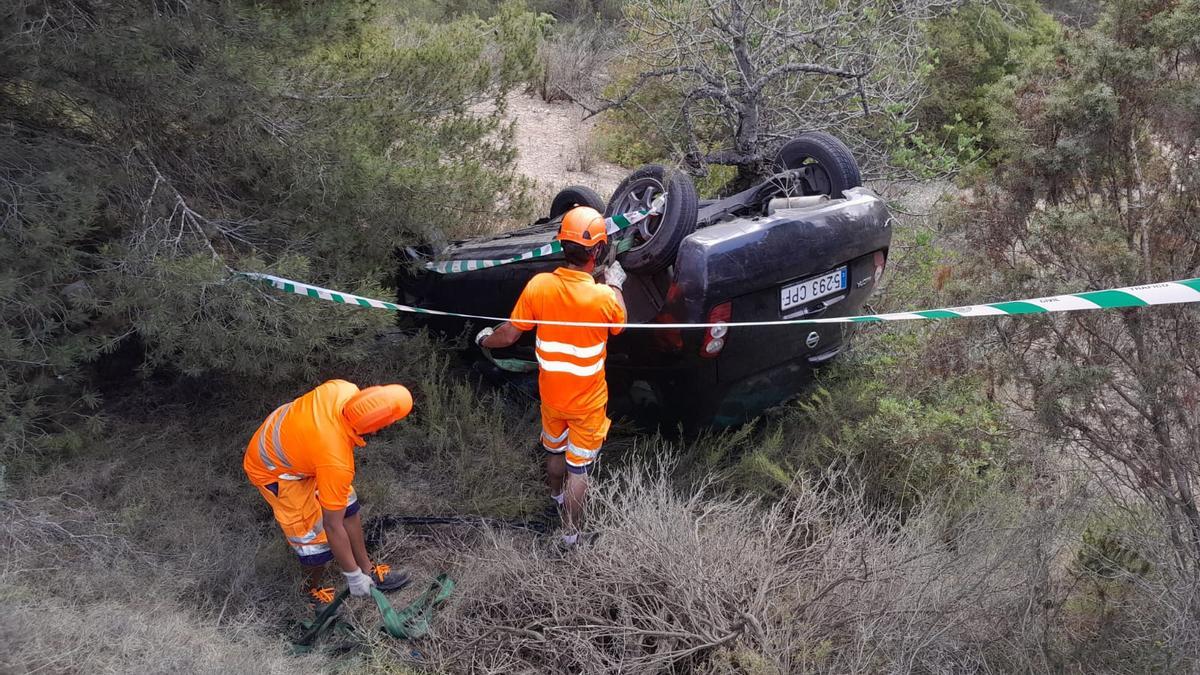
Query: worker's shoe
x=320, y=598
x=563, y=547
x=387, y=580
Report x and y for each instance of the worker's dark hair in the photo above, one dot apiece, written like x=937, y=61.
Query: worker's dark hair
x=576, y=254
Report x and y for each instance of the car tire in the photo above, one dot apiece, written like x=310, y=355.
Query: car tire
x=572, y=196
x=835, y=169
x=657, y=251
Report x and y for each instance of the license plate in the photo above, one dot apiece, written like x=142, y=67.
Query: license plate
x=801, y=292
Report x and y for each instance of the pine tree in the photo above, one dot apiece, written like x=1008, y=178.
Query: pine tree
x=1099, y=186
x=149, y=149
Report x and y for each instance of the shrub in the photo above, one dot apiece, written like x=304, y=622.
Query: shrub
x=148, y=151
x=692, y=581
x=1112, y=388
x=80, y=595
x=974, y=47
x=572, y=62
x=464, y=449
x=902, y=413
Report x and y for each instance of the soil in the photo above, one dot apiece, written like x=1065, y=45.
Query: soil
x=556, y=147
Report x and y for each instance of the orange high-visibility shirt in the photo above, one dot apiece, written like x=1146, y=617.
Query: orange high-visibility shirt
x=308, y=438
x=570, y=358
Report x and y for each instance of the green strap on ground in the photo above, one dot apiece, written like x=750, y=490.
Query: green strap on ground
x=412, y=622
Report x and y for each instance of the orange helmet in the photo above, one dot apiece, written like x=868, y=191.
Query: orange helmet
x=374, y=408
x=584, y=226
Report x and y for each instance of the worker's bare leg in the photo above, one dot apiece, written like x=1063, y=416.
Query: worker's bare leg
x=314, y=576
x=556, y=470
x=358, y=543
x=576, y=499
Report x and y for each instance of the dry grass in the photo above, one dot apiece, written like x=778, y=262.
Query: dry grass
x=573, y=62
x=690, y=582
x=81, y=595
x=151, y=554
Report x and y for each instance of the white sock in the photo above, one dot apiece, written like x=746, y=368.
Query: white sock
x=558, y=498
x=569, y=539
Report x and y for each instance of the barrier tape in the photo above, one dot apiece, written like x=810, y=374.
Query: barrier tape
x=614, y=224
x=1164, y=293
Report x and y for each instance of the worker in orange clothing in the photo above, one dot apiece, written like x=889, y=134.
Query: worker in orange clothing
x=570, y=358
x=302, y=461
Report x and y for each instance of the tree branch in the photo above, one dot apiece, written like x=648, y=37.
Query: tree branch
x=812, y=68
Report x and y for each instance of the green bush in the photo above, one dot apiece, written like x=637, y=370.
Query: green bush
x=972, y=48
x=895, y=416
x=148, y=150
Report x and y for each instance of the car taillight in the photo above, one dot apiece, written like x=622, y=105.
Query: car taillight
x=716, y=336
x=669, y=339
x=880, y=263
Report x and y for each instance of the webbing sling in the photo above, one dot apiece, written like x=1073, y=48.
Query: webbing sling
x=411, y=622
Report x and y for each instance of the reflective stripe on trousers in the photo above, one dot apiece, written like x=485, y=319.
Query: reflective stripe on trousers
x=301, y=543
x=310, y=549
x=582, y=452
x=554, y=440
x=310, y=535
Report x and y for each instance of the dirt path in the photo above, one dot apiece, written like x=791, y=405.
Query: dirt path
x=556, y=147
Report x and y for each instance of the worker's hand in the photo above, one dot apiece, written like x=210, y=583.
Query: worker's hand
x=483, y=335
x=360, y=584
x=614, y=275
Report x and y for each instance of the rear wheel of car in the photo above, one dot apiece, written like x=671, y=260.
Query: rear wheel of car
x=828, y=165
x=655, y=240
x=572, y=196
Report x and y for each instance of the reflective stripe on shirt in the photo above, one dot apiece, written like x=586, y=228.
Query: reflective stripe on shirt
x=570, y=368
x=563, y=348
x=275, y=421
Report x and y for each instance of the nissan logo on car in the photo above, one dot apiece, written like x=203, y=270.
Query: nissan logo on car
x=812, y=339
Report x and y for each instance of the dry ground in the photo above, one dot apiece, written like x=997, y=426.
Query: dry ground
x=556, y=147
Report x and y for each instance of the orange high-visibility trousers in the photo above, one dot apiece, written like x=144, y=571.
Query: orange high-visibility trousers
x=298, y=513
x=578, y=435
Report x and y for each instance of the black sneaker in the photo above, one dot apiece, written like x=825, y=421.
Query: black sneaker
x=386, y=580
x=320, y=598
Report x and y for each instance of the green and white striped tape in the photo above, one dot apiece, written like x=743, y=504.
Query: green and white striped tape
x=1164, y=293
x=615, y=224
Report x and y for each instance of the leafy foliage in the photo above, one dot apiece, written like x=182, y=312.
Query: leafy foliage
x=974, y=47
x=1097, y=187
x=150, y=149
x=905, y=417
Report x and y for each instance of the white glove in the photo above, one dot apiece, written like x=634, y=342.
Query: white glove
x=359, y=583
x=483, y=335
x=614, y=275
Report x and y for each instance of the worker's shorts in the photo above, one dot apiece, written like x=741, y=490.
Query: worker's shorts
x=578, y=435
x=299, y=516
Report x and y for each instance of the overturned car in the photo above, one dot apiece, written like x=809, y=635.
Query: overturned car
x=808, y=242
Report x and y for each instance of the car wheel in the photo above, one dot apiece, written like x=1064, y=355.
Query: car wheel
x=655, y=240
x=828, y=165
x=572, y=196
